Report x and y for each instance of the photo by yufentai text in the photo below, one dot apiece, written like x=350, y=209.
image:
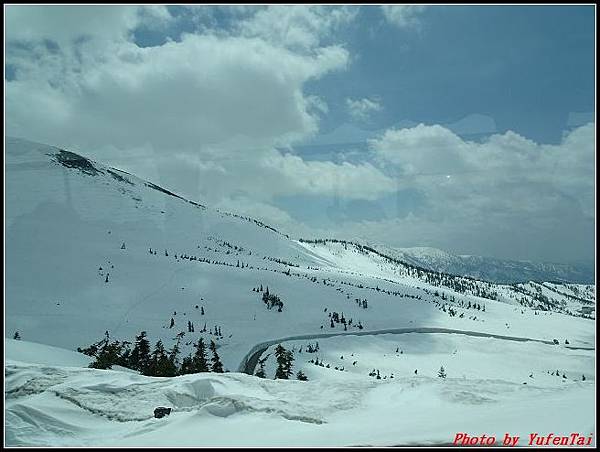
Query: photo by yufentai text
x=533, y=439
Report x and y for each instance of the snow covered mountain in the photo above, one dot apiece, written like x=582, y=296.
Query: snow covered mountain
x=90, y=249
x=491, y=269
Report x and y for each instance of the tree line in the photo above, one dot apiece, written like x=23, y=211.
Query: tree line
x=157, y=362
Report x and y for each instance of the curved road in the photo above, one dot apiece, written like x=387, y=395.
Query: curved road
x=249, y=361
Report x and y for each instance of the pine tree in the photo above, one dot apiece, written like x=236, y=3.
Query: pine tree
x=200, y=364
x=217, y=365
x=442, y=372
x=285, y=359
x=289, y=359
x=155, y=358
x=174, y=353
x=160, y=363
x=187, y=365
x=140, y=355
x=280, y=373
x=124, y=355
x=107, y=354
x=17, y=336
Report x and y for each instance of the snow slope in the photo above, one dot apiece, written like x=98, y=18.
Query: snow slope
x=91, y=249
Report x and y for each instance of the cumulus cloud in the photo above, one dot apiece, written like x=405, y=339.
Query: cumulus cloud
x=361, y=109
x=499, y=166
x=200, y=92
x=65, y=24
x=486, y=192
x=403, y=16
x=298, y=27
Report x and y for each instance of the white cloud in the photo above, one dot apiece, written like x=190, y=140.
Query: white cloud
x=422, y=149
x=346, y=180
x=403, y=16
x=297, y=27
x=64, y=24
x=479, y=194
x=201, y=92
x=361, y=109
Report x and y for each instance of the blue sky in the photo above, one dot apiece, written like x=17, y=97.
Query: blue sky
x=465, y=128
x=526, y=67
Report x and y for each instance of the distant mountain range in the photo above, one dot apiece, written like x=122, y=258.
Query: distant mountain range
x=489, y=268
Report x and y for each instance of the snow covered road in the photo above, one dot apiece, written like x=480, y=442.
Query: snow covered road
x=249, y=362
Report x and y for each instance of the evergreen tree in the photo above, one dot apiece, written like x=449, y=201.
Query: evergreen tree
x=187, y=365
x=17, y=336
x=199, y=362
x=160, y=365
x=140, y=355
x=289, y=359
x=107, y=354
x=442, y=372
x=125, y=354
x=280, y=355
x=216, y=364
x=284, y=362
x=174, y=353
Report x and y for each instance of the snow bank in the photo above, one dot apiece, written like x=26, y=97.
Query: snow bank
x=31, y=352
